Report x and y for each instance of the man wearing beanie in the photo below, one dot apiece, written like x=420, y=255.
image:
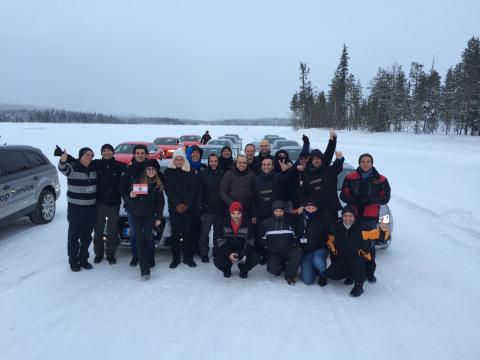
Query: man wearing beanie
x=366, y=189
x=349, y=246
x=130, y=173
x=81, y=197
x=235, y=246
x=279, y=238
x=312, y=231
x=109, y=173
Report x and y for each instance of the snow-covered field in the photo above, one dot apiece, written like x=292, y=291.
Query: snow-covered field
x=424, y=305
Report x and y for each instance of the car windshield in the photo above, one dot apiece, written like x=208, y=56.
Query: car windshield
x=232, y=139
x=207, y=151
x=341, y=177
x=189, y=138
x=293, y=153
x=165, y=141
x=279, y=144
x=233, y=135
x=220, y=142
x=152, y=148
x=124, y=149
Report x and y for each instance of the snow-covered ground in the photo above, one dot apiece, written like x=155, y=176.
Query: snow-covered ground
x=424, y=305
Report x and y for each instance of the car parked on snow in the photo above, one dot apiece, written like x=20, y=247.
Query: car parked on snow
x=189, y=140
x=237, y=146
x=236, y=136
x=225, y=142
x=29, y=185
x=293, y=151
x=124, y=151
x=278, y=144
x=209, y=149
x=167, y=144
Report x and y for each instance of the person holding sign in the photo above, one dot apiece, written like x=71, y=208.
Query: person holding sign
x=145, y=203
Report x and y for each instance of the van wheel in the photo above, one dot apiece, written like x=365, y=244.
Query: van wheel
x=45, y=210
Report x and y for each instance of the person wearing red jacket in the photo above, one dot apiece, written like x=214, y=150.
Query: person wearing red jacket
x=366, y=189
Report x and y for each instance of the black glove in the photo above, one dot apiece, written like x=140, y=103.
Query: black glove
x=305, y=139
x=58, y=151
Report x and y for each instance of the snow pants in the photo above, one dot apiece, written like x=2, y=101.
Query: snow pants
x=81, y=220
x=290, y=262
x=207, y=221
x=181, y=240
x=103, y=213
x=223, y=263
x=145, y=245
x=354, y=269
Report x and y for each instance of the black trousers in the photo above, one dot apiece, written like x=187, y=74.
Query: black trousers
x=181, y=240
x=223, y=263
x=81, y=220
x=354, y=268
x=104, y=212
x=207, y=221
x=290, y=262
x=145, y=247
x=196, y=231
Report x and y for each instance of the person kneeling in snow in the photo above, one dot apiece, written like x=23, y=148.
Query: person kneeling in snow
x=351, y=250
x=236, y=244
x=282, y=249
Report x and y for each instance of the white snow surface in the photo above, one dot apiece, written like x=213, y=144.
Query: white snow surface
x=424, y=305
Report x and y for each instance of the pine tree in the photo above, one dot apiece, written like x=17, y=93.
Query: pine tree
x=338, y=91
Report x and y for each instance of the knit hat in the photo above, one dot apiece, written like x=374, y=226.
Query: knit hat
x=311, y=203
x=152, y=163
x=107, y=146
x=140, y=146
x=82, y=152
x=236, y=206
x=278, y=204
x=364, y=155
x=349, y=209
x=179, y=152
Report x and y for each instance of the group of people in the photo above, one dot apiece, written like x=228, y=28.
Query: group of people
x=264, y=209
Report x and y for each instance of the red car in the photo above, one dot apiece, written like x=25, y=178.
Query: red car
x=168, y=145
x=189, y=140
x=124, y=151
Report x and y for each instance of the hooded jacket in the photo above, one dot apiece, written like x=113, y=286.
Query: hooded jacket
x=181, y=185
x=223, y=163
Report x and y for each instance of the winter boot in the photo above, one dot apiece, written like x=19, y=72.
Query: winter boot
x=357, y=290
x=227, y=273
x=86, y=265
x=243, y=274
x=134, y=261
x=190, y=263
x=75, y=267
x=290, y=280
x=371, y=279
x=205, y=259
x=98, y=259
x=111, y=260
x=175, y=262
x=322, y=280
x=146, y=276
x=348, y=281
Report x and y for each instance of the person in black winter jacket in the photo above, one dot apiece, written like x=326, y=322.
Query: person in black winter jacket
x=262, y=204
x=284, y=179
x=312, y=230
x=213, y=208
x=205, y=138
x=226, y=161
x=366, y=190
x=235, y=246
x=320, y=184
x=194, y=156
x=351, y=250
x=280, y=241
x=130, y=173
x=147, y=212
x=109, y=173
x=182, y=191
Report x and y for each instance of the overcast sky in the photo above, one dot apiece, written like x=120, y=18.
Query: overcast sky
x=212, y=59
